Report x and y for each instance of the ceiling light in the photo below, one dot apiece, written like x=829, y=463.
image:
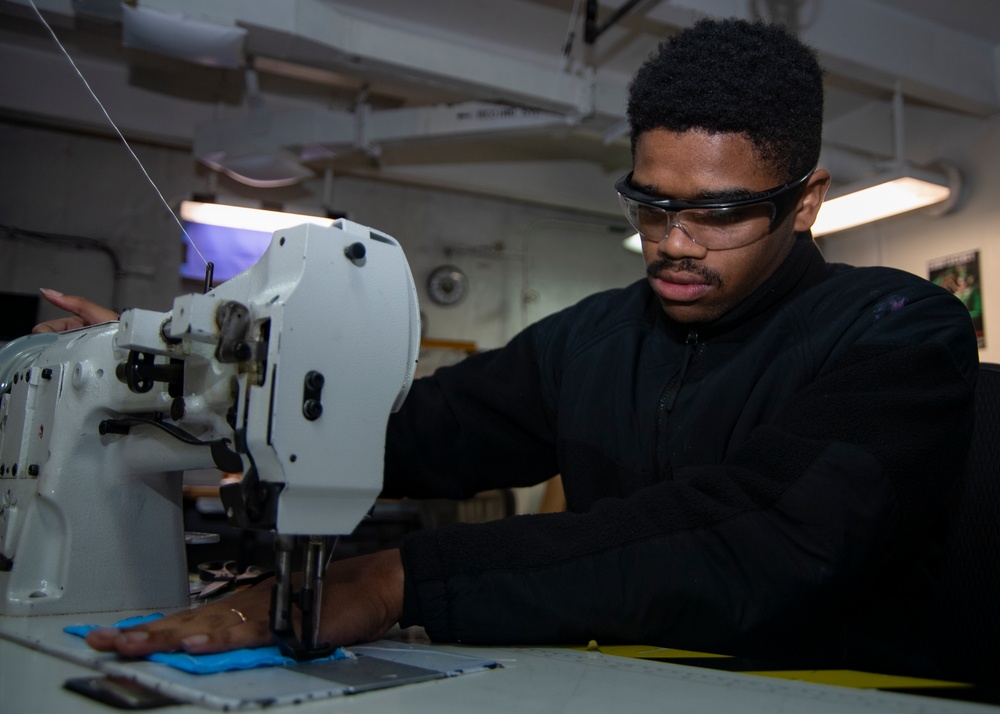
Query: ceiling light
x=633, y=243
x=255, y=219
x=897, y=190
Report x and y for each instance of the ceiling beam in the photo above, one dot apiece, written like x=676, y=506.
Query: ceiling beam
x=932, y=63
x=368, y=129
x=46, y=87
x=314, y=32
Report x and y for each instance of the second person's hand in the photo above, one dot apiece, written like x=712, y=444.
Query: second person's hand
x=85, y=313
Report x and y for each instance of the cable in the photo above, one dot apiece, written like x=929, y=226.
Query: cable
x=115, y=127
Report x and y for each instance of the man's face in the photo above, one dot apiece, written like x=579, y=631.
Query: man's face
x=695, y=284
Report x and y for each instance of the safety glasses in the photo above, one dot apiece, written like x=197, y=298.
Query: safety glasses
x=714, y=225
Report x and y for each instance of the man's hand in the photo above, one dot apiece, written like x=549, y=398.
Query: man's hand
x=84, y=311
x=362, y=600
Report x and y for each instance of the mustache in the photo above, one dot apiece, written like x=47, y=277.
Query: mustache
x=685, y=265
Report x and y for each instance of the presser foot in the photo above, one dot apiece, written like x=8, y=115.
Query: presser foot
x=308, y=598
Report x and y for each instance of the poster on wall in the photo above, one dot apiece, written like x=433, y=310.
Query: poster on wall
x=959, y=275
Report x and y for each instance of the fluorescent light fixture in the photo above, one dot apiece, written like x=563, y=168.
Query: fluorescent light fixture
x=255, y=219
x=898, y=190
x=633, y=244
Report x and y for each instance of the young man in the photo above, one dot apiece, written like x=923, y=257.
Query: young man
x=753, y=443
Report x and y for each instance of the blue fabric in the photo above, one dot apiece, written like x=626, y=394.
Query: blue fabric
x=234, y=660
x=248, y=658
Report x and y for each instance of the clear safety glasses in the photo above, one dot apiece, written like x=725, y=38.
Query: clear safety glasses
x=714, y=225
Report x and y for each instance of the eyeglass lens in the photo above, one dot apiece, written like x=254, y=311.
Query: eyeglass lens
x=712, y=228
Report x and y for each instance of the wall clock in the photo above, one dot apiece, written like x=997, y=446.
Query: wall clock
x=446, y=285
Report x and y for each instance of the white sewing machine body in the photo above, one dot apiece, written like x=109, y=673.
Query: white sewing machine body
x=288, y=373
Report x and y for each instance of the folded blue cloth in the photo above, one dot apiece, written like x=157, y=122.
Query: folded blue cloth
x=249, y=658
x=236, y=659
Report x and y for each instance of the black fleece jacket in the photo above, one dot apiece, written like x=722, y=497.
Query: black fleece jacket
x=765, y=484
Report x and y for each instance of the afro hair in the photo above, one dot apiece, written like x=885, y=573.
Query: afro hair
x=750, y=78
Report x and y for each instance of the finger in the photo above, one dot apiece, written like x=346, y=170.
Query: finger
x=103, y=638
x=134, y=641
x=89, y=312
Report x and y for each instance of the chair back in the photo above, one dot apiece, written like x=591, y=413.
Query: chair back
x=968, y=628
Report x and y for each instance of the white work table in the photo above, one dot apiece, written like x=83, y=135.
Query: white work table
x=528, y=679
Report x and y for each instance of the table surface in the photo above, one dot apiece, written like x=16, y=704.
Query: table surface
x=529, y=679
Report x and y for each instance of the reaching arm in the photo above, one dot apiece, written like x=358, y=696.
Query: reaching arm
x=780, y=533
x=834, y=448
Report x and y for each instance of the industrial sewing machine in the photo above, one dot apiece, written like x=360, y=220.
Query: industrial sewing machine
x=287, y=374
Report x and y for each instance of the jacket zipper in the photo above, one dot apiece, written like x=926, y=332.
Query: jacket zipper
x=670, y=392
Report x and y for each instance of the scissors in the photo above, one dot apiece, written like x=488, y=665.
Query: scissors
x=222, y=575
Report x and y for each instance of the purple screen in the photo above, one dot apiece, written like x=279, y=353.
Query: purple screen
x=233, y=250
